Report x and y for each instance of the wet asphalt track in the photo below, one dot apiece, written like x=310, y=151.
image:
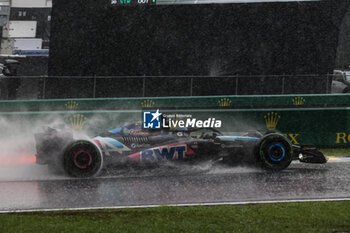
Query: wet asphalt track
x=32, y=187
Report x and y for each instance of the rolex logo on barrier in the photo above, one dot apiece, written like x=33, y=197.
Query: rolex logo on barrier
x=72, y=105
x=298, y=101
x=77, y=121
x=225, y=102
x=147, y=104
x=271, y=120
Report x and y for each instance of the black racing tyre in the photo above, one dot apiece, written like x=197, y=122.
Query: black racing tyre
x=270, y=131
x=274, y=152
x=82, y=159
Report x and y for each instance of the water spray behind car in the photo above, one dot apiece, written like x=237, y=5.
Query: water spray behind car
x=17, y=145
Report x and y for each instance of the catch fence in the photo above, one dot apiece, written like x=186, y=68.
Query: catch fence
x=62, y=87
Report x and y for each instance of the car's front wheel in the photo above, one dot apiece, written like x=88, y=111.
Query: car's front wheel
x=274, y=152
x=82, y=159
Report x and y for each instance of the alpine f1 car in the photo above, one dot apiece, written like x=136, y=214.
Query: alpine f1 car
x=133, y=145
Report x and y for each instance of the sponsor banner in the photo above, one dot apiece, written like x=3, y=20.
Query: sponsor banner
x=41, y=52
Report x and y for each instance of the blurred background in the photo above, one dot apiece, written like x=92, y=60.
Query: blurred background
x=94, y=49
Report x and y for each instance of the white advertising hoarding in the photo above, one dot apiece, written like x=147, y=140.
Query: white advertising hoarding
x=22, y=29
x=31, y=3
x=27, y=44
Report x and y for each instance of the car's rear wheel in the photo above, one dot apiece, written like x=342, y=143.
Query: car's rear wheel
x=82, y=159
x=274, y=152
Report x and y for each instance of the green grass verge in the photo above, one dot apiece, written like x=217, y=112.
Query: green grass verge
x=336, y=152
x=281, y=217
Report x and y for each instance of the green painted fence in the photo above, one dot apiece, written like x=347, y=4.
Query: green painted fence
x=319, y=126
x=306, y=119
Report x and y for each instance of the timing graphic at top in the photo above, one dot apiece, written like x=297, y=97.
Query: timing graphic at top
x=132, y=2
x=182, y=2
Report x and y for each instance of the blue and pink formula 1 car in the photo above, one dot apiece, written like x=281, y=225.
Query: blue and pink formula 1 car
x=133, y=145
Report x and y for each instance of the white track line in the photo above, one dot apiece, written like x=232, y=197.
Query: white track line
x=174, y=205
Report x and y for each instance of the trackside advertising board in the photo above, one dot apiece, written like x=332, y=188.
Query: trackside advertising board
x=319, y=126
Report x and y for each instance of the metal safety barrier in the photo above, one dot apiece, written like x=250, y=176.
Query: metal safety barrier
x=61, y=87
